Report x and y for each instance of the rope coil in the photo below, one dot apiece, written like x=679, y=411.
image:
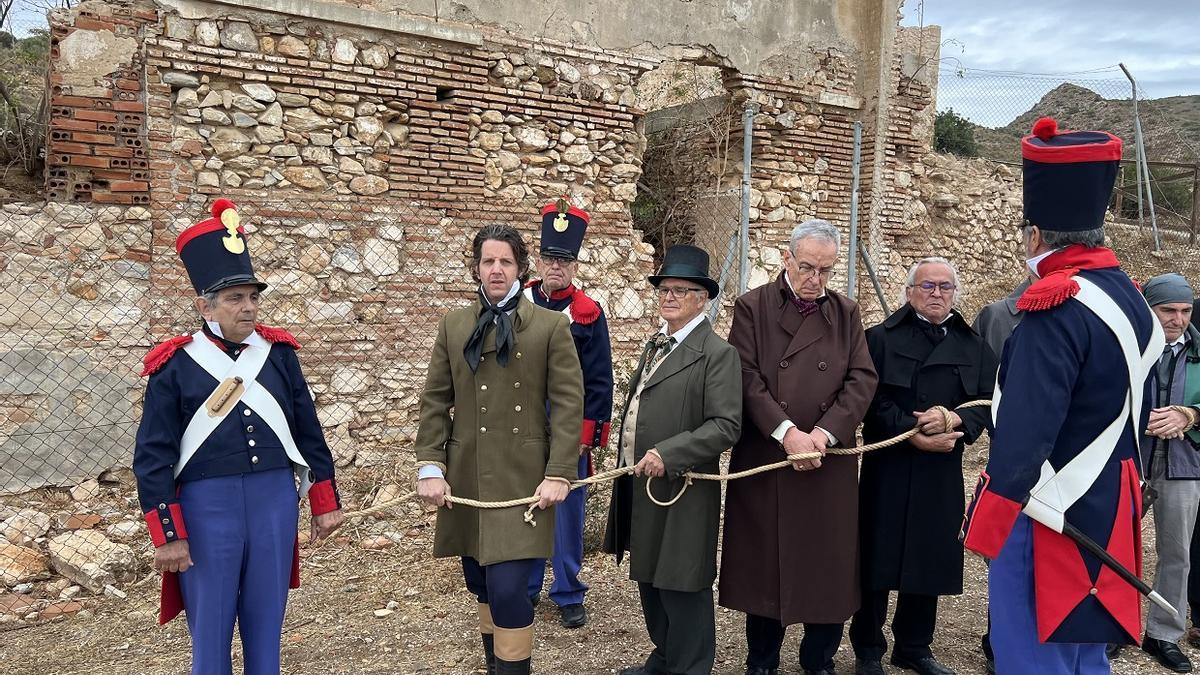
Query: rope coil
x=688, y=477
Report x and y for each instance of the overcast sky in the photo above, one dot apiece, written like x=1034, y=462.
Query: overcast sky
x=1157, y=39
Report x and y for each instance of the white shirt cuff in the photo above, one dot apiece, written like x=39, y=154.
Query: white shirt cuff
x=781, y=430
x=429, y=471
x=832, y=439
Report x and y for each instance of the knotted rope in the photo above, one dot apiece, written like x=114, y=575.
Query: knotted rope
x=690, y=476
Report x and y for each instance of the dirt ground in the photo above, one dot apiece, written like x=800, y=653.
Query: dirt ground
x=332, y=625
x=429, y=626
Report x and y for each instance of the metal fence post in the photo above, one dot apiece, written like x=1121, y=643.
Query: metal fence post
x=744, y=225
x=1140, y=160
x=852, y=259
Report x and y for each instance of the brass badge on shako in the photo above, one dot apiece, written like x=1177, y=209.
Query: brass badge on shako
x=560, y=223
x=233, y=241
x=227, y=394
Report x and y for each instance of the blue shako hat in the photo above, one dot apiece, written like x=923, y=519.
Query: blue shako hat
x=563, y=227
x=1068, y=176
x=214, y=251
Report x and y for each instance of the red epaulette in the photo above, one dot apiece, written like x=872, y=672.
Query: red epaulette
x=158, y=357
x=1050, y=291
x=531, y=283
x=584, y=310
x=273, y=334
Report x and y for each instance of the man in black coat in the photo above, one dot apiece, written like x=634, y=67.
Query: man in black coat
x=911, y=494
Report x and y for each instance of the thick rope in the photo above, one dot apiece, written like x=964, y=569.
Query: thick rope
x=690, y=476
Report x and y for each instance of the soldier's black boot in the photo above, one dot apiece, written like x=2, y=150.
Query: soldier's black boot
x=489, y=652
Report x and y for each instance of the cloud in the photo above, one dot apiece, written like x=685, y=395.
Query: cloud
x=1156, y=42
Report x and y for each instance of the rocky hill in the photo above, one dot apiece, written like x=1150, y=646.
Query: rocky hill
x=1171, y=125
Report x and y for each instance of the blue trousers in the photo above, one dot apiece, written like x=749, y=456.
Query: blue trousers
x=242, y=536
x=1014, y=618
x=502, y=588
x=567, y=589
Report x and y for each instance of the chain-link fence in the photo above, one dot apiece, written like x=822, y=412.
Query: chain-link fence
x=985, y=113
x=85, y=292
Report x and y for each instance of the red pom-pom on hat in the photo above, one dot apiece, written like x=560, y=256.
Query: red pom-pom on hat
x=1045, y=128
x=221, y=205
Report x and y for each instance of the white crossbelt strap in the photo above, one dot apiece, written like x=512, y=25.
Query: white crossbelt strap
x=1057, y=491
x=255, y=396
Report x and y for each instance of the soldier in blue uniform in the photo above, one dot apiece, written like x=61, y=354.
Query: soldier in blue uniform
x=1071, y=400
x=228, y=425
x=563, y=227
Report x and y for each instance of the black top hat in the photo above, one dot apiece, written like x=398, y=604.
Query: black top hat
x=563, y=227
x=214, y=251
x=1068, y=176
x=687, y=262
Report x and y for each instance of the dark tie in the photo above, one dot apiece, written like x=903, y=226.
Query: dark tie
x=934, y=332
x=661, y=346
x=806, y=307
x=1166, y=364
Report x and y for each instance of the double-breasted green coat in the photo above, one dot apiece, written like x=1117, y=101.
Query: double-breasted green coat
x=490, y=433
x=690, y=411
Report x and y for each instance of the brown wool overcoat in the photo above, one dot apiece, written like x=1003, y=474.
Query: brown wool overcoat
x=490, y=433
x=790, y=550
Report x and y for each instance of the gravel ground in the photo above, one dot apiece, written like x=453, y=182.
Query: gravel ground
x=332, y=625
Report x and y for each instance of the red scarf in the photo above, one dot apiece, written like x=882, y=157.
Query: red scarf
x=1056, y=270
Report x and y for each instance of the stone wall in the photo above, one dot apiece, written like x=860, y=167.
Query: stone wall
x=363, y=148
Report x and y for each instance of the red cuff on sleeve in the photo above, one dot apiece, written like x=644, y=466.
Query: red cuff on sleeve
x=165, y=524
x=988, y=521
x=323, y=497
x=594, y=434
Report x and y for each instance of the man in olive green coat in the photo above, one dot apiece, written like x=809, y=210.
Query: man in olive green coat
x=684, y=408
x=496, y=364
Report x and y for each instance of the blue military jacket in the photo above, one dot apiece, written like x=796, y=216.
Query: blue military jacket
x=242, y=443
x=1061, y=381
x=589, y=329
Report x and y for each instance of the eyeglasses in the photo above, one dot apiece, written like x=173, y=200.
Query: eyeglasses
x=806, y=271
x=675, y=292
x=557, y=262
x=928, y=286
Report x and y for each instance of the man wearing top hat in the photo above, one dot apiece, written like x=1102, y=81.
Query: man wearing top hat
x=682, y=411
x=563, y=227
x=486, y=433
x=1070, y=403
x=228, y=425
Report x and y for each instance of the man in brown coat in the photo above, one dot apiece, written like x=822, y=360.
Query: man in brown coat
x=682, y=411
x=485, y=433
x=790, y=553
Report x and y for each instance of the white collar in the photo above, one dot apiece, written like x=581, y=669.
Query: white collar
x=1036, y=260
x=681, y=334
x=516, y=288
x=787, y=279
x=1179, y=341
x=941, y=323
x=215, y=328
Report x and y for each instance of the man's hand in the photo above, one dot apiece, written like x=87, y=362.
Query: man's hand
x=936, y=442
x=551, y=492
x=650, y=465
x=932, y=421
x=1167, y=423
x=584, y=448
x=796, y=442
x=174, y=556
x=434, y=491
x=323, y=525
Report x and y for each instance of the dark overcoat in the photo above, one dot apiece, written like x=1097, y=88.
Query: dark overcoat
x=911, y=500
x=690, y=411
x=790, y=550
